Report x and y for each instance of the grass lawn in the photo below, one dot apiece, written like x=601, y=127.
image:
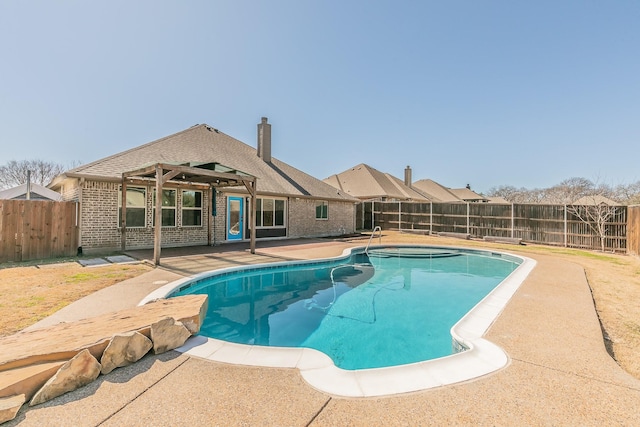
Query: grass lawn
x=29, y=294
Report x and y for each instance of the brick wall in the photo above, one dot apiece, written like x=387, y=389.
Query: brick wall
x=100, y=221
x=303, y=222
x=100, y=232
x=219, y=222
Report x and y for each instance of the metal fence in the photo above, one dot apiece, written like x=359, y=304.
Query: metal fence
x=545, y=224
x=37, y=229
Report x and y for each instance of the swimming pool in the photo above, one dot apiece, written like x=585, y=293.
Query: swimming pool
x=366, y=313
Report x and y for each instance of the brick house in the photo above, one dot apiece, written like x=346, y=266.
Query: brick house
x=289, y=203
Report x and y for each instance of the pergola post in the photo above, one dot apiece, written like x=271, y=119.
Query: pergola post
x=157, y=235
x=123, y=216
x=251, y=188
x=210, y=216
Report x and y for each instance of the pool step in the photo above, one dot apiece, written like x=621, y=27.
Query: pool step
x=409, y=253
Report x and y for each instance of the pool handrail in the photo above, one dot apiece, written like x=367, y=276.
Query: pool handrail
x=376, y=228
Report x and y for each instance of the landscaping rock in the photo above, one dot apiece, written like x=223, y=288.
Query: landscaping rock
x=76, y=373
x=168, y=334
x=123, y=350
x=9, y=407
x=28, y=380
x=65, y=340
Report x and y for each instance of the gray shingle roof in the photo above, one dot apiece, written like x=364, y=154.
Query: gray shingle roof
x=202, y=143
x=364, y=182
x=466, y=194
x=594, y=200
x=434, y=191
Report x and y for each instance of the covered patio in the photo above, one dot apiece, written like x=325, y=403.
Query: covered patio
x=206, y=176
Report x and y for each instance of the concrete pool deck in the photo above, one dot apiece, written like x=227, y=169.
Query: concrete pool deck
x=559, y=371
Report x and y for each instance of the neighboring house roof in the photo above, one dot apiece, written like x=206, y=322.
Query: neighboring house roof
x=497, y=199
x=204, y=144
x=434, y=191
x=467, y=195
x=38, y=192
x=595, y=200
x=364, y=182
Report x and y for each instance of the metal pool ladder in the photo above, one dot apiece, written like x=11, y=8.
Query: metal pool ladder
x=376, y=228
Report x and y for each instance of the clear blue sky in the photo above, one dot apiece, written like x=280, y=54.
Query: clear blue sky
x=523, y=93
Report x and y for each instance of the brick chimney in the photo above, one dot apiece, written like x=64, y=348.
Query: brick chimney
x=264, y=140
x=407, y=176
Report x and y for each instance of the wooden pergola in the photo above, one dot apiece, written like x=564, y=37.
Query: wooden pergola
x=204, y=175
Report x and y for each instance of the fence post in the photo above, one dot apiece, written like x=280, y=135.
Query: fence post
x=468, y=228
x=430, y=217
x=565, y=226
x=373, y=215
x=399, y=216
x=633, y=230
x=512, y=222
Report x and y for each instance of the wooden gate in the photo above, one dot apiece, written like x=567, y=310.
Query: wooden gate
x=37, y=229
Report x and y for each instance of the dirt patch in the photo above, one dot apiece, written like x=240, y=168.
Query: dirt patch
x=29, y=294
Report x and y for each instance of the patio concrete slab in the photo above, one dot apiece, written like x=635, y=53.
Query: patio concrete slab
x=93, y=404
x=121, y=259
x=93, y=262
x=202, y=393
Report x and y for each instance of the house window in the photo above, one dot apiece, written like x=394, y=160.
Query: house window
x=191, y=208
x=168, y=208
x=136, y=206
x=322, y=209
x=270, y=212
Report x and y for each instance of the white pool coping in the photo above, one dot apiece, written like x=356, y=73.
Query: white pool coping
x=482, y=357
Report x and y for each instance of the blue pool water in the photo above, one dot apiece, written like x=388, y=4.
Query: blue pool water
x=391, y=307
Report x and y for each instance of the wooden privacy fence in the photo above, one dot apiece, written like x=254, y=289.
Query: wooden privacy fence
x=633, y=230
x=37, y=229
x=545, y=224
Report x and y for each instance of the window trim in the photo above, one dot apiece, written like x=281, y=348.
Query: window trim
x=119, y=220
x=184, y=208
x=322, y=204
x=259, y=213
x=174, y=208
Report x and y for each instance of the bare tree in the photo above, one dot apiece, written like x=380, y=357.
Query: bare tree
x=628, y=194
x=515, y=195
x=15, y=172
x=595, y=213
x=569, y=191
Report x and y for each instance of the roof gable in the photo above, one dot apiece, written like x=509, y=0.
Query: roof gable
x=594, y=200
x=365, y=182
x=466, y=194
x=38, y=192
x=434, y=191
